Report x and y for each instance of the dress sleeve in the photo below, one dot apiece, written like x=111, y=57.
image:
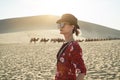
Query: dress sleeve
x=77, y=60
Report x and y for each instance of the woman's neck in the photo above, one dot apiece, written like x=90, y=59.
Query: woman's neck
x=69, y=38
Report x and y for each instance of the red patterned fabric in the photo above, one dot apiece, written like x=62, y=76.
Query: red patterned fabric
x=69, y=61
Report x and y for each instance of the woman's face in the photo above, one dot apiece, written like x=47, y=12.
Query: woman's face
x=65, y=28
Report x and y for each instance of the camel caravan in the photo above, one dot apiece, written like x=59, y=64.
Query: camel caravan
x=34, y=40
x=59, y=40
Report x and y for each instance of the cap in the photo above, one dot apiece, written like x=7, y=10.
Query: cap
x=69, y=18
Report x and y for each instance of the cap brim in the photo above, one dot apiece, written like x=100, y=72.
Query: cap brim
x=60, y=20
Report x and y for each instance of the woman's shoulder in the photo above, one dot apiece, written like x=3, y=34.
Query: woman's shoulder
x=74, y=44
x=75, y=47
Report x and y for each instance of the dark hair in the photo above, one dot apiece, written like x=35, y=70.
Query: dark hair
x=75, y=30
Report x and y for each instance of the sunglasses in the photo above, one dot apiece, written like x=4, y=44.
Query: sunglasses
x=61, y=25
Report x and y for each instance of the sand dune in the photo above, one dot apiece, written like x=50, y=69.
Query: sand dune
x=48, y=22
x=37, y=61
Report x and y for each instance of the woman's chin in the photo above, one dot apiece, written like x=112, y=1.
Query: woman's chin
x=62, y=32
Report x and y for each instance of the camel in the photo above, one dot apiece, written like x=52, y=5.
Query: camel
x=34, y=40
x=57, y=40
x=79, y=40
x=44, y=40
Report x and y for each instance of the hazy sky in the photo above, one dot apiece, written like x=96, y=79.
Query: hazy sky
x=103, y=12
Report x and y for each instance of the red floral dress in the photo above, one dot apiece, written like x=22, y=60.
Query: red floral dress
x=69, y=61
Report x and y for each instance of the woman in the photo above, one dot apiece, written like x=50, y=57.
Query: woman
x=69, y=57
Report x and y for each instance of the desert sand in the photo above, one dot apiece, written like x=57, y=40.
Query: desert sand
x=22, y=60
x=25, y=61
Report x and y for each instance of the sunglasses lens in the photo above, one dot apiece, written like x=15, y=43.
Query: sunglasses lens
x=58, y=25
x=61, y=25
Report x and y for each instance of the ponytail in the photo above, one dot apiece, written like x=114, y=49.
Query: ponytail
x=76, y=31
